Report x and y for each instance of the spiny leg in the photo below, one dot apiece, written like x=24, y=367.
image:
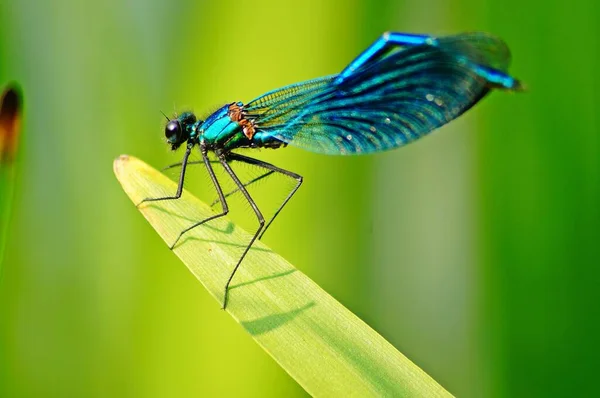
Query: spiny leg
x=379, y=48
x=246, y=184
x=213, y=177
x=259, y=216
x=272, y=168
x=174, y=165
x=177, y=195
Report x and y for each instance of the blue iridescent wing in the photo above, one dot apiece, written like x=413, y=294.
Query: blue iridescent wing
x=277, y=108
x=389, y=101
x=478, y=47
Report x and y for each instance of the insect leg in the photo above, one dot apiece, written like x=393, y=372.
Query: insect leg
x=177, y=195
x=268, y=166
x=246, y=184
x=259, y=216
x=217, y=200
x=213, y=177
x=175, y=165
x=381, y=46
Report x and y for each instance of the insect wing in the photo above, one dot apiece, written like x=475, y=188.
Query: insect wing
x=386, y=103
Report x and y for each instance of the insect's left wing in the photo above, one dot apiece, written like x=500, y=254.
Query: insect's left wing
x=388, y=102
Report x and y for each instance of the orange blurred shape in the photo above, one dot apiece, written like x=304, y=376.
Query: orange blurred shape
x=10, y=123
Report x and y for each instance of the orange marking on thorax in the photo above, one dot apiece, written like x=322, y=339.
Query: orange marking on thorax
x=237, y=114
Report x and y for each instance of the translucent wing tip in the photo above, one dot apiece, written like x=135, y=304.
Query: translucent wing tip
x=488, y=54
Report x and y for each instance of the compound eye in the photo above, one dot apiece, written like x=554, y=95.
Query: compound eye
x=173, y=131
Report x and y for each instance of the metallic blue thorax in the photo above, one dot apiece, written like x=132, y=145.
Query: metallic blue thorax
x=219, y=129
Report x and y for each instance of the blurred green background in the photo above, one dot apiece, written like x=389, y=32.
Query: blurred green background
x=474, y=251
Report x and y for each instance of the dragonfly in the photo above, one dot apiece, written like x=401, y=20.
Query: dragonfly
x=399, y=89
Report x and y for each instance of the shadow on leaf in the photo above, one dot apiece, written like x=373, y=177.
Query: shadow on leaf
x=273, y=321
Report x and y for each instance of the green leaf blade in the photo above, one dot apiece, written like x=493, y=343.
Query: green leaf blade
x=321, y=344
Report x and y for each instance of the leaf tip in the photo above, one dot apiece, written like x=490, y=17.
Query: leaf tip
x=119, y=163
